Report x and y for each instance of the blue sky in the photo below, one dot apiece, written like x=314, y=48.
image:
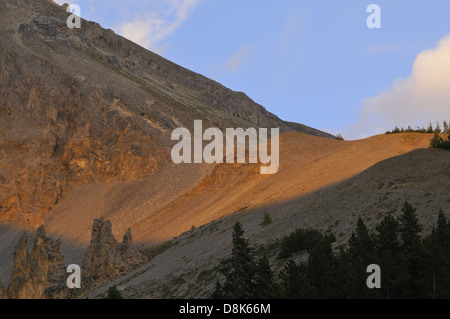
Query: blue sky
x=312, y=62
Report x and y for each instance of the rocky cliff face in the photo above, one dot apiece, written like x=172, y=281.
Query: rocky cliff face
x=3, y=294
x=105, y=257
x=39, y=274
x=84, y=105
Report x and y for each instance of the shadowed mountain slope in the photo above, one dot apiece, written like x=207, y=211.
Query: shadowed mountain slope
x=188, y=268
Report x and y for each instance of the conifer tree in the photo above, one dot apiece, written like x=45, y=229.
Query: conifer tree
x=361, y=253
x=387, y=247
x=239, y=269
x=264, y=284
x=218, y=292
x=436, y=141
x=339, y=287
x=295, y=282
x=320, y=265
x=437, y=130
x=367, y=249
x=411, y=274
x=114, y=293
x=438, y=256
x=409, y=227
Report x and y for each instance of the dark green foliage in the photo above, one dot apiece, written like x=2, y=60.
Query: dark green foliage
x=296, y=283
x=409, y=227
x=387, y=246
x=429, y=130
x=436, y=141
x=243, y=278
x=437, y=130
x=114, y=293
x=218, y=291
x=341, y=277
x=266, y=220
x=238, y=269
x=411, y=270
x=360, y=254
x=300, y=239
x=320, y=265
x=438, y=254
x=265, y=286
x=411, y=266
x=439, y=142
x=364, y=242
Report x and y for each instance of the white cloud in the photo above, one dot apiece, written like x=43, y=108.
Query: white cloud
x=421, y=98
x=234, y=63
x=236, y=60
x=149, y=30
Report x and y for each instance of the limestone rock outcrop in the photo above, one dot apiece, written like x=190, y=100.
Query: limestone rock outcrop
x=105, y=257
x=39, y=274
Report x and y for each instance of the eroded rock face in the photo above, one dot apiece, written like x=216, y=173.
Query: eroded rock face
x=105, y=257
x=3, y=294
x=85, y=105
x=130, y=254
x=39, y=274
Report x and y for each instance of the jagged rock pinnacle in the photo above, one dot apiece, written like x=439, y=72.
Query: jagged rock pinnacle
x=105, y=257
x=39, y=274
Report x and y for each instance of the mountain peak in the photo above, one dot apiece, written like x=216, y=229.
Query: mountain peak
x=84, y=105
